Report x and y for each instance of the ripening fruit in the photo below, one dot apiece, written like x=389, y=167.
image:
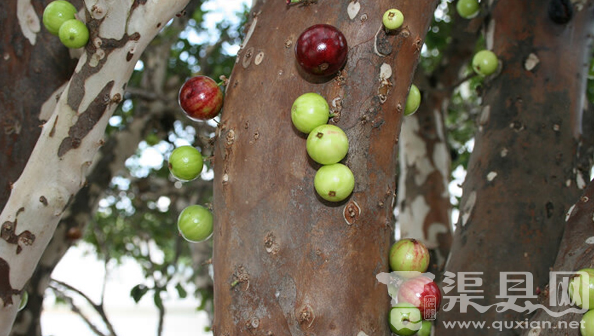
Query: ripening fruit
x=321, y=50
x=74, y=34
x=200, y=98
x=409, y=255
x=309, y=111
x=334, y=182
x=413, y=101
x=393, y=19
x=327, y=144
x=56, y=13
x=195, y=223
x=485, y=62
x=405, y=319
x=468, y=8
x=185, y=163
x=587, y=324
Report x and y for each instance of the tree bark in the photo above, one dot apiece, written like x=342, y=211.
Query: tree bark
x=424, y=208
x=286, y=262
x=71, y=136
x=522, y=176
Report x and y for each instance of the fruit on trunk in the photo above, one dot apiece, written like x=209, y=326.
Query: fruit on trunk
x=200, y=98
x=56, y=13
x=195, y=223
x=334, y=182
x=321, y=50
x=409, y=255
x=309, y=111
x=485, y=62
x=405, y=319
x=413, y=101
x=581, y=289
x=185, y=163
x=425, y=329
x=467, y=8
x=327, y=144
x=393, y=19
x=74, y=34
x=423, y=293
x=587, y=324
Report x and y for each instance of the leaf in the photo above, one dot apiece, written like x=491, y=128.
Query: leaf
x=158, y=300
x=138, y=291
x=181, y=291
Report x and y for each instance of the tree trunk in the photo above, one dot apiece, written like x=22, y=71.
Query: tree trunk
x=424, y=207
x=72, y=135
x=522, y=176
x=285, y=262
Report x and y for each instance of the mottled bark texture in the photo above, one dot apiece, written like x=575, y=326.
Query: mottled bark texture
x=286, y=262
x=522, y=176
x=423, y=196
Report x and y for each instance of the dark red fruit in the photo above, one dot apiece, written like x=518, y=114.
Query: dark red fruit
x=201, y=98
x=321, y=50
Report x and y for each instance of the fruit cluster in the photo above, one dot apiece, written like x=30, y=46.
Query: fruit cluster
x=581, y=292
x=59, y=19
x=418, y=296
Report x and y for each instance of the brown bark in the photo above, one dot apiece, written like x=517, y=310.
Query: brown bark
x=522, y=174
x=285, y=262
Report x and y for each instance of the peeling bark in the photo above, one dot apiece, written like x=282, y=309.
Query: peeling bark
x=285, y=262
x=73, y=134
x=522, y=173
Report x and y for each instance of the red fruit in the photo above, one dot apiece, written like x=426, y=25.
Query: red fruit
x=321, y=50
x=421, y=292
x=200, y=98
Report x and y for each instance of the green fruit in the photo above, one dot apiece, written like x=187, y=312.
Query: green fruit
x=309, y=111
x=409, y=255
x=24, y=300
x=485, y=62
x=327, y=144
x=185, y=163
x=334, y=182
x=393, y=19
x=56, y=13
x=413, y=100
x=74, y=34
x=468, y=8
x=405, y=319
x=581, y=289
x=195, y=223
x=425, y=328
x=587, y=324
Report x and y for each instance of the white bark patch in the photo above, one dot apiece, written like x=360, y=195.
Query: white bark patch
x=485, y=115
x=491, y=176
x=414, y=150
x=490, y=34
x=412, y=217
x=441, y=160
x=531, y=62
x=468, y=207
x=435, y=229
x=504, y=152
x=385, y=72
x=47, y=109
x=590, y=241
x=361, y=333
x=569, y=213
x=28, y=20
x=353, y=9
x=439, y=125
x=581, y=183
